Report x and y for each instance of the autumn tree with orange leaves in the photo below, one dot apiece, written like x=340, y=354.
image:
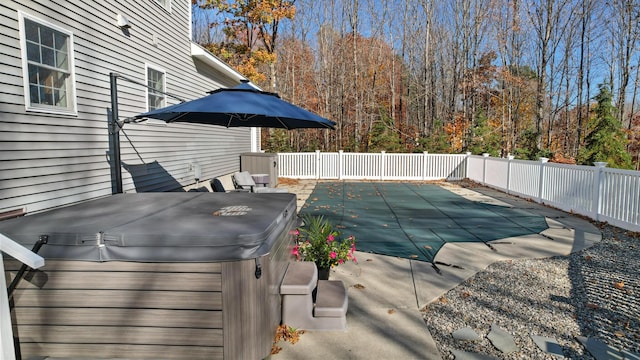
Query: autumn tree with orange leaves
x=251, y=34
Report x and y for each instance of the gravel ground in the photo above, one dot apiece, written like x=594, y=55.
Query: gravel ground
x=593, y=293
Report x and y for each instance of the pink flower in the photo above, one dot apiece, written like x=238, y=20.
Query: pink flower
x=330, y=238
x=295, y=251
x=341, y=261
x=354, y=259
x=296, y=232
x=333, y=255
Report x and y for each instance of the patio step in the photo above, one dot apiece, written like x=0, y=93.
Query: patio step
x=332, y=300
x=300, y=278
x=298, y=309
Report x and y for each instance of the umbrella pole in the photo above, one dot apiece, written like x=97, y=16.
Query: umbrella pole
x=114, y=138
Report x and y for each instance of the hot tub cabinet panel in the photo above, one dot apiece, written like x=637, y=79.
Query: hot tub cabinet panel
x=253, y=308
x=153, y=310
x=119, y=309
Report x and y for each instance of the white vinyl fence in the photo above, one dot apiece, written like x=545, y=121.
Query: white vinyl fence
x=601, y=193
x=371, y=166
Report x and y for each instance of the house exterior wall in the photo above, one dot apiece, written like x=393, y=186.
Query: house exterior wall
x=51, y=159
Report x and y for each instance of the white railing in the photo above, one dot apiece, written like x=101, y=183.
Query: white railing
x=371, y=166
x=26, y=256
x=619, y=200
x=601, y=193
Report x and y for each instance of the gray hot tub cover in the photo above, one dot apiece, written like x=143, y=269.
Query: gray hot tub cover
x=160, y=227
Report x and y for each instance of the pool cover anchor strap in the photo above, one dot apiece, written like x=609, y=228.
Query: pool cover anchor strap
x=436, y=268
x=490, y=246
x=450, y=265
x=36, y=247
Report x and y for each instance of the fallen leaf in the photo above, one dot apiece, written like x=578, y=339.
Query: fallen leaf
x=358, y=286
x=413, y=256
x=275, y=349
x=369, y=260
x=588, y=257
x=427, y=247
x=592, y=306
x=391, y=311
x=443, y=300
x=619, y=285
x=619, y=334
x=286, y=333
x=466, y=294
x=217, y=213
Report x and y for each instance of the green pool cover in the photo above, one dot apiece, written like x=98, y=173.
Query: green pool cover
x=414, y=220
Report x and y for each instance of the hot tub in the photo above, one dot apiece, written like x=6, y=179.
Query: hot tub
x=155, y=276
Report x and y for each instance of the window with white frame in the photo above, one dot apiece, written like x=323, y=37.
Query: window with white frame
x=155, y=88
x=47, y=61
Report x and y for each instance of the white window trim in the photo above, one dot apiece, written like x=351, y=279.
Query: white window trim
x=73, y=109
x=166, y=8
x=146, y=81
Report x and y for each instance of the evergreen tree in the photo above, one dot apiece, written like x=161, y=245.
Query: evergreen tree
x=606, y=140
x=437, y=142
x=484, y=138
x=527, y=148
x=278, y=141
x=384, y=136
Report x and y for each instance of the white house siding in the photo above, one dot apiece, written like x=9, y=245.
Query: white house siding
x=49, y=160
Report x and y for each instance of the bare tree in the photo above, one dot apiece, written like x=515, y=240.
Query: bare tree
x=428, y=74
x=625, y=37
x=545, y=16
x=586, y=7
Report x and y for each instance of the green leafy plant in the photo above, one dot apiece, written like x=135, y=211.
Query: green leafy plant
x=320, y=242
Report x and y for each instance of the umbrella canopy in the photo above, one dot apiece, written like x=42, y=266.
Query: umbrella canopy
x=241, y=106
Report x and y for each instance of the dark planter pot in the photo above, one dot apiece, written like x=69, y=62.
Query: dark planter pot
x=323, y=273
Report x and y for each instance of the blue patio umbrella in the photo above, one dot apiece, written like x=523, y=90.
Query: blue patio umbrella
x=241, y=106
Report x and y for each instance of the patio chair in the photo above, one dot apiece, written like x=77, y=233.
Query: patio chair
x=216, y=186
x=243, y=180
x=200, y=189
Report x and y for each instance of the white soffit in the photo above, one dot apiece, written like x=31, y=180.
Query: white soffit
x=208, y=58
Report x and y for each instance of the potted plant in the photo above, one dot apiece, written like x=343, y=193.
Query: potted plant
x=318, y=241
